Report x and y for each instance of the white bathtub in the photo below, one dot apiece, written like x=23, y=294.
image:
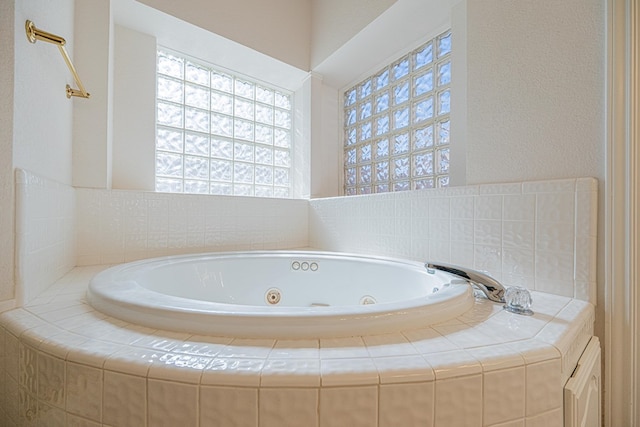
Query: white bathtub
x=279, y=294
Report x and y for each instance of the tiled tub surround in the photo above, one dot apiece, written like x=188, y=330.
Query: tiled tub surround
x=65, y=364
x=540, y=235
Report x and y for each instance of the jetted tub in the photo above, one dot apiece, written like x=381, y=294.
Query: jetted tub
x=279, y=294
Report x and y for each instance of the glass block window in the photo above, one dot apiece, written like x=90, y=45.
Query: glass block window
x=396, y=123
x=218, y=133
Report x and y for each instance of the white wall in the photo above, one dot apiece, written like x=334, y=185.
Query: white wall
x=278, y=28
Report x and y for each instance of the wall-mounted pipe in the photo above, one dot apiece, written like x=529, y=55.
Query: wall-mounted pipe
x=34, y=34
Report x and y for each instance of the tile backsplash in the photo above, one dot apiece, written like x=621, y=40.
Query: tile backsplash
x=541, y=235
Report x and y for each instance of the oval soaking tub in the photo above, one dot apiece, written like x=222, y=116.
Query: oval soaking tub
x=279, y=294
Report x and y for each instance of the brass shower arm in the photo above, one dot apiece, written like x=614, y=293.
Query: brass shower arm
x=34, y=34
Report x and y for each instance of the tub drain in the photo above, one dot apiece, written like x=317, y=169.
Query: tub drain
x=273, y=296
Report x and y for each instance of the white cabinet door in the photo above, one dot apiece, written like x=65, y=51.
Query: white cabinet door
x=582, y=392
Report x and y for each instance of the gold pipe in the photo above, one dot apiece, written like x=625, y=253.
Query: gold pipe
x=34, y=34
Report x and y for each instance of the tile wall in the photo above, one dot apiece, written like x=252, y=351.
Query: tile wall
x=45, y=233
x=541, y=235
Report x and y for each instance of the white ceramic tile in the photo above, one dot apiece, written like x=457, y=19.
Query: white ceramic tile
x=93, y=352
x=553, y=186
x=496, y=357
x=342, y=348
x=291, y=373
x=555, y=207
x=543, y=387
x=179, y=367
x=164, y=399
x=458, y=401
x=388, y=345
x=233, y=372
x=295, y=349
x=450, y=364
x=51, y=415
x=124, y=400
x=285, y=407
x=28, y=369
x=248, y=348
x=407, y=404
x=503, y=395
x=462, y=207
x=348, y=406
x=548, y=419
x=403, y=369
x=518, y=234
x=84, y=391
x=465, y=336
x=51, y=380
x=228, y=406
x=520, y=207
x=132, y=360
x=202, y=345
x=61, y=344
x=342, y=372
x=439, y=208
x=462, y=230
x=488, y=207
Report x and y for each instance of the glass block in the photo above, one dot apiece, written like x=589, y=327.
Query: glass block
x=170, y=89
x=401, y=143
x=282, y=101
x=264, y=94
x=365, y=110
x=221, y=170
x=382, y=79
x=364, y=153
x=382, y=102
x=443, y=160
x=264, y=155
x=401, y=118
x=350, y=157
x=221, y=103
x=401, y=168
x=264, y=175
x=351, y=136
x=423, y=137
x=382, y=188
x=350, y=191
x=221, y=125
x=443, y=132
x=196, y=74
x=196, y=119
x=283, y=119
x=365, y=89
x=264, y=134
x=401, y=186
x=170, y=65
x=423, y=83
x=243, y=109
x=168, y=164
x=365, y=131
x=282, y=192
x=365, y=174
x=350, y=97
x=243, y=129
x=400, y=68
x=169, y=114
x=280, y=177
x=423, y=56
x=282, y=138
x=444, y=102
x=264, y=114
x=401, y=93
x=222, y=148
x=444, y=74
x=382, y=148
x=196, y=144
x=221, y=189
x=222, y=82
x=443, y=181
x=196, y=187
x=350, y=177
x=423, y=164
x=382, y=171
x=382, y=125
x=196, y=96
x=243, y=152
x=169, y=140
x=281, y=158
x=168, y=185
x=364, y=190
x=423, y=110
x=350, y=117
x=242, y=190
x=261, y=191
x=242, y=172
x=422, y=184
x=244, y=89
x=196, y=167
x=444, y=44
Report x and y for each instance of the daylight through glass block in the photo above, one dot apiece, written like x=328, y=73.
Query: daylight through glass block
x=217, y=133
x=396, y=123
